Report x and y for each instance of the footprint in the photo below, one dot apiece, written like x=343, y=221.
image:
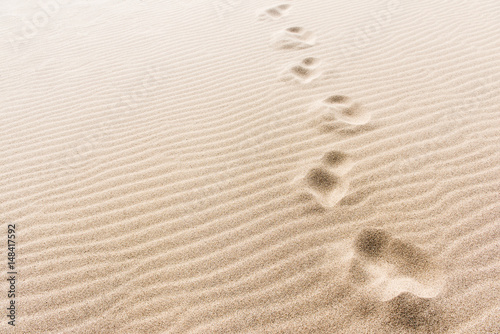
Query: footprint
x=346, y=110
x=273, y=13
x=388, y=267
x=311, y=62
x=327, y=188
x=304, y=72
x=371, y=243
x=338, y=161
x=414, y=313
x=294, y=38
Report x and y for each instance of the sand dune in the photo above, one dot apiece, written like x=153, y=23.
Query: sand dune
x=196, y=166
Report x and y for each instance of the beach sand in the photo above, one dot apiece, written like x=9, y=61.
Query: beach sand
x=231, y=166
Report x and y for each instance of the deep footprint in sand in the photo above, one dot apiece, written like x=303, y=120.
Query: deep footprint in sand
x=388, y=267
x=337, y=161
x=408, y=311
x=347, y=111
x=273, y=13
x=293, y=38
x=327, y=188
x=304, y=71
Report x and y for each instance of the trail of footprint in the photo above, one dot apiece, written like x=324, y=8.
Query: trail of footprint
x=388, y=267
x=293, y=38
x=273, y=13
x=304, y=72
x=327, y=181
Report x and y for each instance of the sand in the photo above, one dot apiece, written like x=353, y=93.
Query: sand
x=230, y=166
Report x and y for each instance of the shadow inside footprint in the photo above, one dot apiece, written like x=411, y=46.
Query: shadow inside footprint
x=273, y=13
x=295, y=30
x=294, y=38
x=337, y=99
x=328, y=188
x=411, y=312
x=371, y=243
x=335, y=158
x=409, y=259
x=310, y=61
x=304, y=72
x=394, y=266
x=321, y=180
x=301, y=71
x=339, y=161
x=346, y=110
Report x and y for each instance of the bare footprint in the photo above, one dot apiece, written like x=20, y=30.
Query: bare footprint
x=342, y=108
x=273, y=13
x=293, y=38
x=340, y=114
x=371, y=243
x=388, y=267
x=338, y=161
x=411, y=312
x=346, y=110
x=327, y=188
x=304, y=71
x=311, y=62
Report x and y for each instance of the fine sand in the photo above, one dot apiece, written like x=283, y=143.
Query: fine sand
x=233, y=166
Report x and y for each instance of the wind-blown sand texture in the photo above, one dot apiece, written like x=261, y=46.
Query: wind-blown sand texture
x=217, y=166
